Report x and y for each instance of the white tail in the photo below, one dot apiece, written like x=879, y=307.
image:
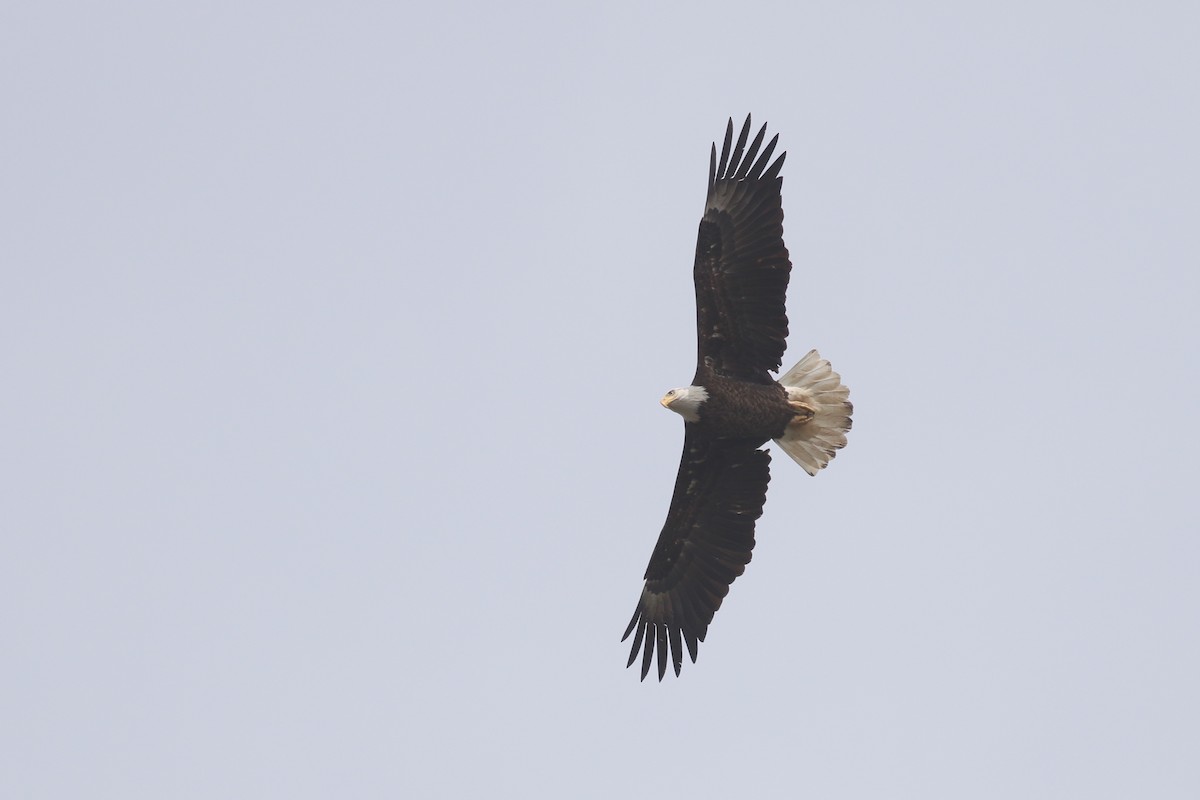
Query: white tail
x=816, y=435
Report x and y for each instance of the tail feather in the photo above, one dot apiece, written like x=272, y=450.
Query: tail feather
x=813, y=385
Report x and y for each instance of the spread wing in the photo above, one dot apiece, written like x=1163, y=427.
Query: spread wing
x=742, y=265
x=704, y=545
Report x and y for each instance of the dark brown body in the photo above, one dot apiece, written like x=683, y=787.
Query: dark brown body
x=740, y=410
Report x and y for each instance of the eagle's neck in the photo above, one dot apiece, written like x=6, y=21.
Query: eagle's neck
x=687, y=403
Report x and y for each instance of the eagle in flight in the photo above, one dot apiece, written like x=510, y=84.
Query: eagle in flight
x=733, y=405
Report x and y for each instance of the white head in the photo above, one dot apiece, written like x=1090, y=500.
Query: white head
x=686, y=401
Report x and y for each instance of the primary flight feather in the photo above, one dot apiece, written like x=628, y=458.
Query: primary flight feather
x=733, y=405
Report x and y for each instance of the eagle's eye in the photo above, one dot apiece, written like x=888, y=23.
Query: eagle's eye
x=671, y=393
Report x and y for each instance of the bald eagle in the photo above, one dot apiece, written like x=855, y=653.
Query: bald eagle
x=733, y=405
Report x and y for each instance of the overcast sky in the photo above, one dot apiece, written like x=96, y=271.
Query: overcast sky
x=332, y=338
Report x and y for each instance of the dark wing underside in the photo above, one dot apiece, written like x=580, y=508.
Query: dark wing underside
x=742, y=266
x=704, y=545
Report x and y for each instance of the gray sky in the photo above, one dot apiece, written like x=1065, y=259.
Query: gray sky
x=332, y=340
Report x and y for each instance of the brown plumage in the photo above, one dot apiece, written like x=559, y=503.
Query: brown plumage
x=734, y=406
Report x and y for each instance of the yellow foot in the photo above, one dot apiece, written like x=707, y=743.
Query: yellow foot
x=802, y=411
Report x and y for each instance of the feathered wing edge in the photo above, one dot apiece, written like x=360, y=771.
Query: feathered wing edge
x=742, y=265
x=739, y=168
x=704, y=546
